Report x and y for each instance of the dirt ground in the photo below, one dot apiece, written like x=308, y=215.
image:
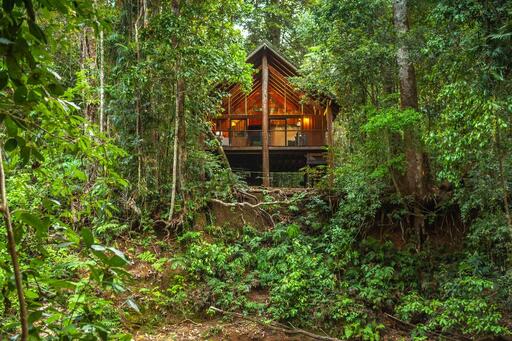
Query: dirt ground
x=216, y=330
x=238, y=329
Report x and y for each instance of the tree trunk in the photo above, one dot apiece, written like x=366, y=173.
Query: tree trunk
x=11, y=246
x=102, y=82
x=273, y=22
x=175, y=157
x=179, y=123
x=138, y=119
x=502, y=176
x=182, y=132
x=416, y=174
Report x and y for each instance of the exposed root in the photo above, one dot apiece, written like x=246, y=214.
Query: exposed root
x=247, y=204
x=243, y=195
x=256, y=207
x=171, y=225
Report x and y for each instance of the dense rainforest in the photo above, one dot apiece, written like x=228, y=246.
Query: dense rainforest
x=122, y=218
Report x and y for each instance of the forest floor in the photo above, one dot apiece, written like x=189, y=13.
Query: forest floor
x=235, y=330
x=157, y=284
x=168, y=321
x=216, y=329
x=176, y=327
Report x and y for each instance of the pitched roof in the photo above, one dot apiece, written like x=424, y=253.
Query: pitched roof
x=255, y=57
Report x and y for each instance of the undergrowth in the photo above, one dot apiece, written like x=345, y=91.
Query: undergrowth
x=327, y=276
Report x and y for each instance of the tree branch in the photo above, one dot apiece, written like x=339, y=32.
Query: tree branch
x=11, y=246
x=276, y=326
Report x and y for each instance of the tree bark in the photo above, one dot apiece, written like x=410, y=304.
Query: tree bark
x=503, y=178
x=102, y=82
x=138, y=118
x=416, y=174
x=88, y=63
x=174, y=158
x=182, y=132
x=179, y=123
x=11, y=245
x=274, y=22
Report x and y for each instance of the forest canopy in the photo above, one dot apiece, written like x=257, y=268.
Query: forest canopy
x=377, y=205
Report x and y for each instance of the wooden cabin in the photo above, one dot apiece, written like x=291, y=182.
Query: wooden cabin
x=272, y=130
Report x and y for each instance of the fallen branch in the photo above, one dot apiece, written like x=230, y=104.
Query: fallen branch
x=276, y=326
x=411, y=326
x=188, y=320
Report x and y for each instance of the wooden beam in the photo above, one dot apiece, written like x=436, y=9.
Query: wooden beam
x=239, y=97
x=330, y=136
x=283, y=69
x=282, y=80
x=279, y=86
x=264, y=123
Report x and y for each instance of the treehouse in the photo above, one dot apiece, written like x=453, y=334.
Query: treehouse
x=272, y=132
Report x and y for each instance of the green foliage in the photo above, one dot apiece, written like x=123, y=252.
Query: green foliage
x=297, y=272
x=464, y=307
x=391, y=120
x=276, y=22
x=320, y=268
x=333, y=277
x=201, y=47
x=490, y=237
x=61, y=178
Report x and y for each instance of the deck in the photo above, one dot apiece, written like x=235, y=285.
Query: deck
x=257, y=149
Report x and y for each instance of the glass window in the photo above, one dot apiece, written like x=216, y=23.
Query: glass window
x=238, y=125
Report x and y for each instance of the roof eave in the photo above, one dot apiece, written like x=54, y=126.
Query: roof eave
x=268, y=45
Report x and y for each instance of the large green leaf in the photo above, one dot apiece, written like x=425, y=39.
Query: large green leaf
x=40, y=225
x=13, y=68
x=118, y=259
x=35, y=316
x=36, y=31
x=12, y=127
x=131, y=303
x=20, y=94
x=61, y=284
x=87, y=236
x=11, y=144
x=4, y=79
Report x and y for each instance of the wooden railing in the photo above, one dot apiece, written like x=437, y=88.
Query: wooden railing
x=277, y=138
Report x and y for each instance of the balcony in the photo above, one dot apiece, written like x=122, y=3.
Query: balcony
x=277, y=138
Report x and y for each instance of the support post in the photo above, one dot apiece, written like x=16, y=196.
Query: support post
x=330, y=137
x=330, y=145
x=264, y=123
x=285, y=103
